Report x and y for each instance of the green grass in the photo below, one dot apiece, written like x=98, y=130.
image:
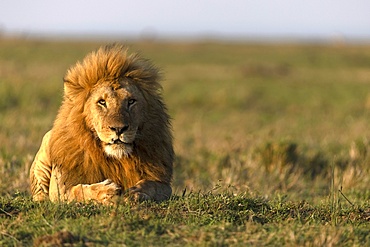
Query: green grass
x=193, y=219
x=271, y=147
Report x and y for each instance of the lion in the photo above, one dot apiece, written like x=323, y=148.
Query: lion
x=112, y=135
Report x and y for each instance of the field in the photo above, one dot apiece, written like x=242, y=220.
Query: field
x=272, y=147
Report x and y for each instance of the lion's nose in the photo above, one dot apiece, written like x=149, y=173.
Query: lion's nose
x=119, y=130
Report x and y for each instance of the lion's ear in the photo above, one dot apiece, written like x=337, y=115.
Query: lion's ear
x=74, y=92
x=71, y=89
x=67, y=89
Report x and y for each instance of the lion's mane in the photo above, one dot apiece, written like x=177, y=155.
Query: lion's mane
x=75, y=148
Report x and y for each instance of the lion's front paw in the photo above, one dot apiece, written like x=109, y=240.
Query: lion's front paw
x=136, y=194
x=106, y=192
x=149, y=190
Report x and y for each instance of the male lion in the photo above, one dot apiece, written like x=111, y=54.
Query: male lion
x=112, y=134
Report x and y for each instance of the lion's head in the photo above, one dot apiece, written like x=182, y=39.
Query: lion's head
x=115, y=112
x=113, y=116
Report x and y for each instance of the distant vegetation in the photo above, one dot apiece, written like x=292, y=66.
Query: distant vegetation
x=272, y=145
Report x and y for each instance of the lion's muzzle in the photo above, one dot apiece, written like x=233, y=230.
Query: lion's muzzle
x=120, y=141
x=119, y=130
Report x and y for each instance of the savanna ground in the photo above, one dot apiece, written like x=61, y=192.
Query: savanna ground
x=272, y=144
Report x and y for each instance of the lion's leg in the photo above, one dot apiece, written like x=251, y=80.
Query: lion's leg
x=150, y=190
x=104, y=192
x=40, y=171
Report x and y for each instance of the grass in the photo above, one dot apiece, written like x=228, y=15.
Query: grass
x=192, y=219
x=271, y=147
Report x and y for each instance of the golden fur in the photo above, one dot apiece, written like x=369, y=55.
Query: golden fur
x=112, y=134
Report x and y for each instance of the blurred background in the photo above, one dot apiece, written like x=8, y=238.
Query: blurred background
x=314, y=20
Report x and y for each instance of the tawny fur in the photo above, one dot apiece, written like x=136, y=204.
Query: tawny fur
x=71, y=163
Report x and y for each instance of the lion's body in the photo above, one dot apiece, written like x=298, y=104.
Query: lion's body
x=112, y=134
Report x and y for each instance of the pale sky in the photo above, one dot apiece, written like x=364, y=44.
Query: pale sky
x=171, y=18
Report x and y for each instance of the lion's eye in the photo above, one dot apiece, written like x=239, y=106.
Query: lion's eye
x=131, y=102
x=102, y=102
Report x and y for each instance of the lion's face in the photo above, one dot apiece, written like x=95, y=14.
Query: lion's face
x=115, y=112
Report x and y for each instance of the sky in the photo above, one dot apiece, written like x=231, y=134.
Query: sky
x=224, y=19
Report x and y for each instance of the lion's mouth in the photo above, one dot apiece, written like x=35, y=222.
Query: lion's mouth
x=118, y=148
x=119, y=142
